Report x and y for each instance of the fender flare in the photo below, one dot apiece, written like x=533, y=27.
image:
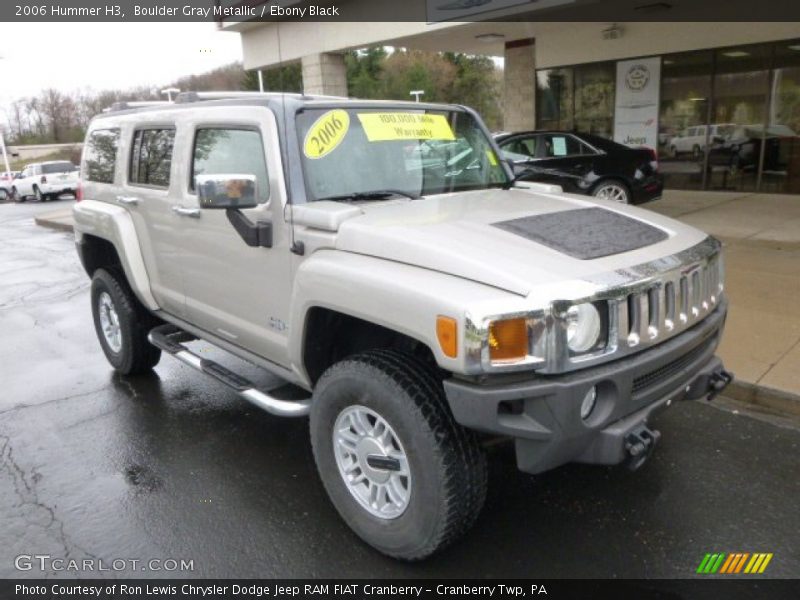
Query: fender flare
x=115, y=225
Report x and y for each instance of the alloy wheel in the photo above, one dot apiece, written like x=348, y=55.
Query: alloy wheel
x=612, y=191
x=372, y=462
x=109, y=322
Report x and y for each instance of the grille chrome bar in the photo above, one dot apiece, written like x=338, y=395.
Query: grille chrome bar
x=650, y=313
x=668, y=297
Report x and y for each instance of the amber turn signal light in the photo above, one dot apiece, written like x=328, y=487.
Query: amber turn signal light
x=447, y=333
x=508, y=340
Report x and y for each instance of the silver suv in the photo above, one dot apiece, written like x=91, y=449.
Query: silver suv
x=379, y=257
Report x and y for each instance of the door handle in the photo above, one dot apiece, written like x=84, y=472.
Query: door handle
x=132, y=200
x=186, y=211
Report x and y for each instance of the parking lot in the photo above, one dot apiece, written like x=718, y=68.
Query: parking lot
x=174, y=466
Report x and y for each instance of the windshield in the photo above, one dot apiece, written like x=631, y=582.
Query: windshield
x=59, y=167
x=358, y=151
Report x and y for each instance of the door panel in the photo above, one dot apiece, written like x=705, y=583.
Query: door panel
x=234, y=291
x=23, y=184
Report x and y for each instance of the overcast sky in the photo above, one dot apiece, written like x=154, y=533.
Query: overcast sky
x=70, y=56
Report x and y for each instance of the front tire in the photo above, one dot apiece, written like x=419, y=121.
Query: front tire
x=401, y=472
x=122, y=324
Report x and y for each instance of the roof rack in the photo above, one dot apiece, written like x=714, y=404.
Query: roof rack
x=124, y=105
x=184, y=97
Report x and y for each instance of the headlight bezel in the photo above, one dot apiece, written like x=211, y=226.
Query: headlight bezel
x=547, y=339
x=478, y=352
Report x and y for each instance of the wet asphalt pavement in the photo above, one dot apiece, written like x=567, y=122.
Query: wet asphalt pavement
x=173, y=465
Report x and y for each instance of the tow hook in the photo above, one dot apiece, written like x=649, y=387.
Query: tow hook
x=717, y=382
x=639, y=445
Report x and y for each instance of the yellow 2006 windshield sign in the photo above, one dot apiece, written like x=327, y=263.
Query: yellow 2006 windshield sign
x=326, y=133
x=381, y=127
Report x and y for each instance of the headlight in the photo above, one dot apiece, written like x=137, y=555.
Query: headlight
x=584, y=326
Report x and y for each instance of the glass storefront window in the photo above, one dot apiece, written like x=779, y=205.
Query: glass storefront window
x=781, y=163
x=594, y=99
x=737, y=117
x=683, y=114
x=729, y=118
x=554, y=99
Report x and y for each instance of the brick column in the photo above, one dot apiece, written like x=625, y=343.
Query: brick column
x=324, y=74
x=519, y=111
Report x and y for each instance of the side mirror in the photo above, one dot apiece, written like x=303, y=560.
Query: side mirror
x=232, y=192
x=226, y=191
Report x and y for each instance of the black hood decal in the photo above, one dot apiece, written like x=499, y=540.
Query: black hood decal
x=585, y=233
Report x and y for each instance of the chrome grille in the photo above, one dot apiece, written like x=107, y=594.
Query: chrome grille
x=667, y=306
x=649, y=303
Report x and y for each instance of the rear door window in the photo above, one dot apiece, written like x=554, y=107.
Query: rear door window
x=151, y=157
x=230, y=151
x=59, y=167
x=100, y=155
x=558, y=146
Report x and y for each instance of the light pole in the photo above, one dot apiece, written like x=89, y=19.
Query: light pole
x=169, y=92
x=3, y=147
x=416, y=94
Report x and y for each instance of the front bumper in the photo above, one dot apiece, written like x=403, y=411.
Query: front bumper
x=542, y=413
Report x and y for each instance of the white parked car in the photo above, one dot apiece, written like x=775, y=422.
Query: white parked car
x=693, y=139
x=45, y=180
x=6, y=182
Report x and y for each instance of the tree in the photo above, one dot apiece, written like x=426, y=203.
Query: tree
x=407, y=70
x=288, y=78
x=476, y=85
x=365, y=71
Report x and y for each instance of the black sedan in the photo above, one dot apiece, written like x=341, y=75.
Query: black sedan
x=584, y=164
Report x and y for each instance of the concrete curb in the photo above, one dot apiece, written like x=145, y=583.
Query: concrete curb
x=58, y=223
x=780, y=401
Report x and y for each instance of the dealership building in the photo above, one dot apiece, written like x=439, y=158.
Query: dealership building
x=720, y=101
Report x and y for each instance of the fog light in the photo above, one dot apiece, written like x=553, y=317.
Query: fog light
x=589, y=400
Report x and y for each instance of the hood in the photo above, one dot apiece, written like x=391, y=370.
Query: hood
x=474, y=235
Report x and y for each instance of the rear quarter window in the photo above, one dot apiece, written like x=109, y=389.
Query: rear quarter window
x=60, y=167
x=151, y=157
x=100, y=155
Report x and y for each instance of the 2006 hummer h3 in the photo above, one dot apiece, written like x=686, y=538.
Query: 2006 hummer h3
x=380, y=257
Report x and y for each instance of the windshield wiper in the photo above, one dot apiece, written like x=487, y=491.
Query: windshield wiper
x=372, y=195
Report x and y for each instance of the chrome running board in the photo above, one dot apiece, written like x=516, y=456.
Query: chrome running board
x=170, y=339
